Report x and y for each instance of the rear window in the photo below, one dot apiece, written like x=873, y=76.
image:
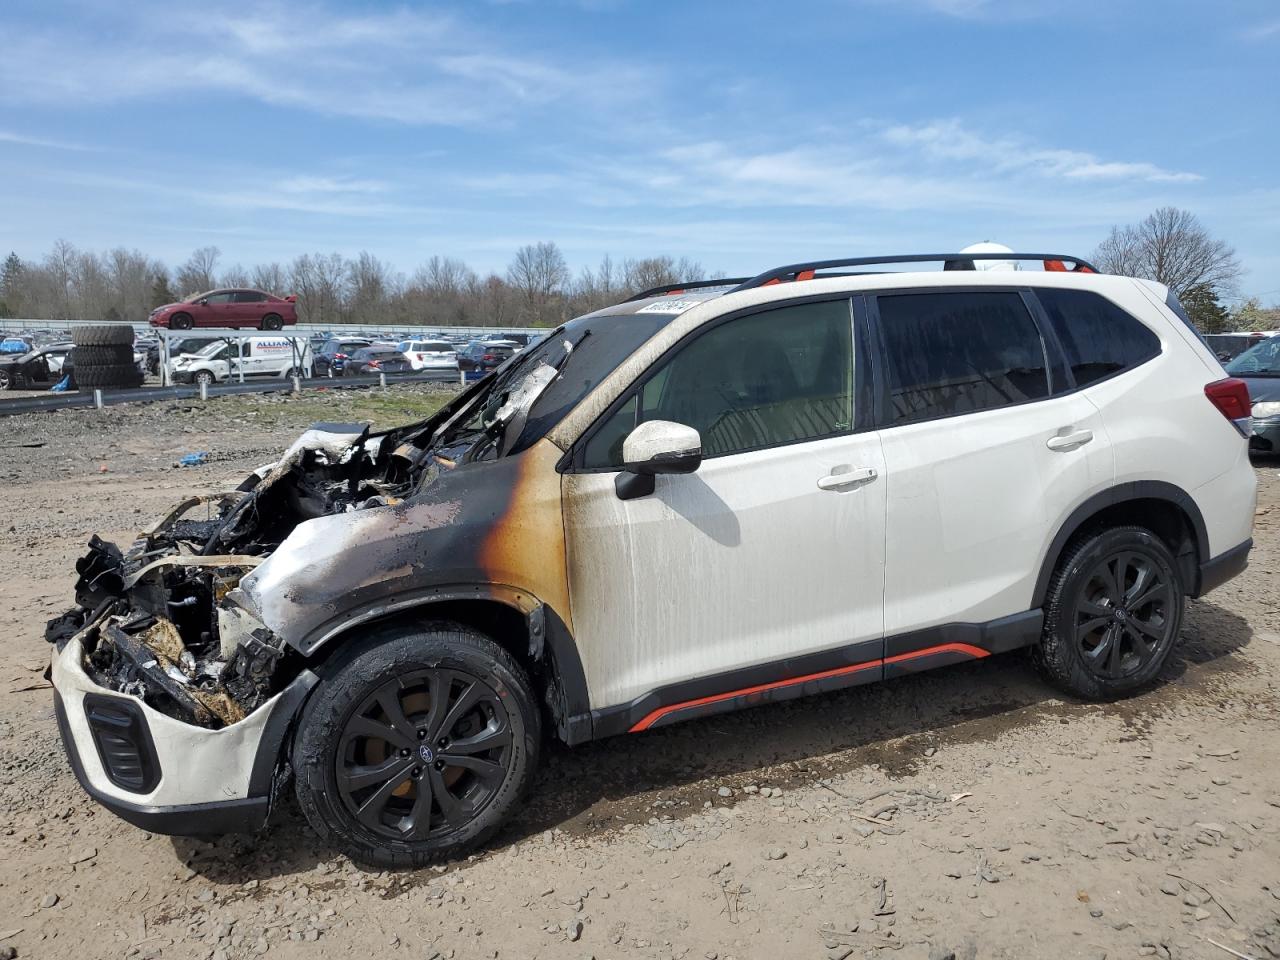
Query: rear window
x=955, y=353
x=1098, y=337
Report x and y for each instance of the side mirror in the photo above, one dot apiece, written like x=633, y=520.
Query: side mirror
x=203, y=302
x=654, y=447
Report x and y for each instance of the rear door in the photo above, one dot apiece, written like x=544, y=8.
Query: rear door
x=763, y=568
x=248, y=307
x=982, y=459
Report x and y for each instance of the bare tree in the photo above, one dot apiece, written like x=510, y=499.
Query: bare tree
x=540, y=274
x=269, y=277
x=650, y=272
x=371, y=285
x=1170, y=246
x=197, y=274
x=234, y=276
x=130, y=274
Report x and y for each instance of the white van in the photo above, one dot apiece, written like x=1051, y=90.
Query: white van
x=261, y=355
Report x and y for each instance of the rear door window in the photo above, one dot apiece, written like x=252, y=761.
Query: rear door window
x=952, y=353
x=1098, y=338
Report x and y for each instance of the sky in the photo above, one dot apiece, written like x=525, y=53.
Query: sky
x=742, y=134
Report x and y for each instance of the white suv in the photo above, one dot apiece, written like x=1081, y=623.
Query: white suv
x=698, y=500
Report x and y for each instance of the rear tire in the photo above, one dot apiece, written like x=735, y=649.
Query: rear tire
x=5, y=382
x=115, y=334
x=272, y=321
x=1112, y=614
x=418, y=746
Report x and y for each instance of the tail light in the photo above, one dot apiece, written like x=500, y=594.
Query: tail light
x=1231, y=397
x=488, y=356
x=340, y=356
x=421, y=357
x=374, y=363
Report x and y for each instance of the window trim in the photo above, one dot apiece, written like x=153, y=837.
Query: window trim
x=571, y=462
x=1047, y=325
x=882, y=352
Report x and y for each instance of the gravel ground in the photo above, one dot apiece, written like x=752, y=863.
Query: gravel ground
x=968, y=811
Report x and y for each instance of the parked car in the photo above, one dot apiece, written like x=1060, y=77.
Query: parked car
x=259, y=356
x=35, y=370
x=179, y=345
x=521, y=340
x=485, y=355
x=1259, y=368
x=228, y=308
x=11, y=346
x=375, y=359
x=1228, y=346
x=670, y=508
x=429, y=354
x=335, y=353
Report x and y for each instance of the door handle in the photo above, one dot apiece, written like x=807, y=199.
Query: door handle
x=847, y=477
x=1065, y=442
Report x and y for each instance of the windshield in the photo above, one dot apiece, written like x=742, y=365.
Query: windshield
x=1261, y=360
x=529, y=394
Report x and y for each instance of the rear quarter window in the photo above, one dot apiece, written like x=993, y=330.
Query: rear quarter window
x=1098, y=338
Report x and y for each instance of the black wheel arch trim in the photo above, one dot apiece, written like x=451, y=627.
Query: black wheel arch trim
x=549, y=637
x=1113, y=496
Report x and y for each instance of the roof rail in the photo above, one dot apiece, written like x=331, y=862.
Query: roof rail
x=669, y=288
x=950, y=261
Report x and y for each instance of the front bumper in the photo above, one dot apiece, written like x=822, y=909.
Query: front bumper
x=1266, y=436
x=204, y=782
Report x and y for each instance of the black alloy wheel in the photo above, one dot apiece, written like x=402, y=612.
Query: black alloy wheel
x=424, y=753
x=1112, y=612
x=1122, y=616
x=417, y=745
x=272, y=321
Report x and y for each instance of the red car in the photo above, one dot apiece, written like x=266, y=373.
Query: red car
x=227, y=308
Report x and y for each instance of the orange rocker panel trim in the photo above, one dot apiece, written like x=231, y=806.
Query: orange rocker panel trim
x=965, y=648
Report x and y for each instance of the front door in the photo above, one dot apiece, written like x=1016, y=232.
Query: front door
x=764, y=566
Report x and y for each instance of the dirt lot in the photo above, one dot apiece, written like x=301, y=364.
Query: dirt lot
x=968, y=810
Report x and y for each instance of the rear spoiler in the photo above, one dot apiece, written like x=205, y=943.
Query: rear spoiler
x=292, y=298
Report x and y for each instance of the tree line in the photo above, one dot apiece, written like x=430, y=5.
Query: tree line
x=537, y=288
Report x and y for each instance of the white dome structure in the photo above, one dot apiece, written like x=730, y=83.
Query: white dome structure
x=987, y=246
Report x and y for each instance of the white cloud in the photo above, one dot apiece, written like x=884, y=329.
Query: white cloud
x=1263, y=31
x=403, y=65
x=27, y=141
x=321, y=185
x=951, y=140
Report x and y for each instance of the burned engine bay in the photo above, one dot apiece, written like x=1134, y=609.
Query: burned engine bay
x=165, y=620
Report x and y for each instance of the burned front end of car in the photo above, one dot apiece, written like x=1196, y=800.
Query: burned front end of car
x=181, y=670
x=164, y=674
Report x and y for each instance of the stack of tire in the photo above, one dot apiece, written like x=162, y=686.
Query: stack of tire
x=102, y=358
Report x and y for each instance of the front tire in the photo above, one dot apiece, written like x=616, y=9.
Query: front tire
x=5, y=382
x=418, y=746
x=181, y=321
x=1112, y=614
x=203, y=376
